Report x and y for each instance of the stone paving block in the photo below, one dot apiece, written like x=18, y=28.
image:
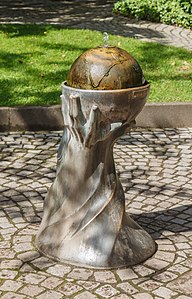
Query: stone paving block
x=69, y=289
x=165, y=276
x=156, y=264
x=182, y=284
x=165, y=256
x=150, y=285
x=143, y=296
x=59, y=270
x=23, y=247
x=127, y=288
x=105, y=276
x=31, y=289
x=28, y=256
x=32, y=278
x=11, y=295
x=107, y=291
x=151, y=208
x=184, y=297
x=8, y=274
x=10, y=285
x=51, y=282
x=80, y=274
x=50, y=295
x=142, y=270
x=26, y=268
x=86, y=295
x=42, y=262
x=178, y=269
x=165, y=292
x=182, y=246
x=88, y=285
x=11, y=264
x=121, y=296
x=126, y=274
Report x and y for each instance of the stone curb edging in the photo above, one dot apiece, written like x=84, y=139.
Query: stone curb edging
x=49, y=118
x=166, y=115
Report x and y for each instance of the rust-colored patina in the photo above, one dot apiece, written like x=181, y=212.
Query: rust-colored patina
x=105, y=68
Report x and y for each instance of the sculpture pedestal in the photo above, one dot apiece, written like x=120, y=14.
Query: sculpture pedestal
x=84, y=219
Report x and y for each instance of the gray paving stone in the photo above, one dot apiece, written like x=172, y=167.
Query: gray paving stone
x=26, y=268
x=122, y=296
x=143, y=296
x=88, y=285
x=32, y=278
x=11, y=295
x=165, y=276
x=8, y=274
x=127, y=288
x=51, y=282
x=107, y=291
x=126, y=274
x=59, y=270
x=11, y=264
x=182, y=284
x=178, y=269
x=142, y=270
x=156, y=264
x=165, y=256
x=42, y=263
x=50, y=295
x=80, y=274
x=23, y=247
x=105, y=277
x=184, y=297
x=164, y=292
x=86, y=295
x=10, y=285
x=28, y=290
x=164, y=209
x=69, y=289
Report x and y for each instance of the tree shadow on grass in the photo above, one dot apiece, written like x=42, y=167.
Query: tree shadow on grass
x=151, y=57
x=31, y=84
x=74, y=14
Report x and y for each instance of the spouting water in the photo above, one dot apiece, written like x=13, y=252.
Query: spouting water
x=105, y=39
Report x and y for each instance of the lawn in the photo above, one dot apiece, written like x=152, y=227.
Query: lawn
x=35, y=60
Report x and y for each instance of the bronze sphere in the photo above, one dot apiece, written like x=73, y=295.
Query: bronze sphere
x=105, y=68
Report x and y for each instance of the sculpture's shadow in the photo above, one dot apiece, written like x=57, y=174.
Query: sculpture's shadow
x=175, y=220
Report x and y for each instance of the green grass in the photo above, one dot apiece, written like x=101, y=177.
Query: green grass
x=35, y=59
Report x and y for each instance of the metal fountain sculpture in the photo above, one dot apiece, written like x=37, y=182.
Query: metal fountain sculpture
x=84, y=220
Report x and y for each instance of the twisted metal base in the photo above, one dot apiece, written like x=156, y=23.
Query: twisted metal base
x=84, y=219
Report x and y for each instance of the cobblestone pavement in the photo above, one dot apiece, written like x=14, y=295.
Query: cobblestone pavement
x=94, y=15
x=155, y=169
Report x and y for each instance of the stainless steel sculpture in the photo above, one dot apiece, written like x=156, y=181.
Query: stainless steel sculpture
x=84, y=219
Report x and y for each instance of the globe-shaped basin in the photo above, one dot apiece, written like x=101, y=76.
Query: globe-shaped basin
x=109, y=78
x=105, y=68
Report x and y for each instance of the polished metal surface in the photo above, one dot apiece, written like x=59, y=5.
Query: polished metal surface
x=84, y=219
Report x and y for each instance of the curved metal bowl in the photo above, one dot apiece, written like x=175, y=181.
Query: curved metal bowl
x=115, y=105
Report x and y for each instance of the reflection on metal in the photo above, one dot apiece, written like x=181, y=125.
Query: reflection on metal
x=84, y=219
